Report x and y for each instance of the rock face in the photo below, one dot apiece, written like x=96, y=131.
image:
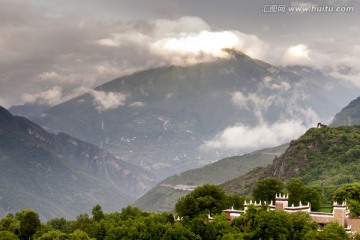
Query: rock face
x=161, y=118
x=59, y=175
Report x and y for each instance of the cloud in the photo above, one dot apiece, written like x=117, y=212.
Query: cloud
x=186, y=40
x=53, y=96
x=239, y=99
x=50, y=97
x=289, y=123
x=297, y=55
x=79, y=43
x=263, y=135
x=137, y=104
x=107, y=100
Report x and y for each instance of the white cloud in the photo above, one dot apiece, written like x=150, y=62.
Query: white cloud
x=137, y=104
x=186, y=40
x=239, y=99
x=53, y=96
x=297, y=55
x=263, y=135
x=107, y=100
x=50, y=97
x=204, y=42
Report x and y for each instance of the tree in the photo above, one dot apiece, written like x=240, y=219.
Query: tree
x=302, y=224
x=10, y=223
x=179, y=232
x=54, y=235
x=351, y=194
x=204, y=199
x=79, y=235
x=97, y=213
x=7, y=235
x=298, y=192
x=333, y=231
x=59, y=224
x=29, y=223
x=267, y=189
x=273, y=225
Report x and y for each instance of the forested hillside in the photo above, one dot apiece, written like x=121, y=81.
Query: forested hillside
x=322, y=157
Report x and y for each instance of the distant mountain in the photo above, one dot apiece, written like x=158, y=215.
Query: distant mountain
x=162, y=119
x=28, y=110
x=164, y=196
x=350, y=115
x=322, y=157
x=59, y=175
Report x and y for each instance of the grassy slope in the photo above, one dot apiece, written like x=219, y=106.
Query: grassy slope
x=164, y=196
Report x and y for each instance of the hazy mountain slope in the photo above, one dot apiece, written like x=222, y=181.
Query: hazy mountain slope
x=323, y=157
x=162, y=118
x=28, y=110
x=164, y=196
x=349, y=115
x=58, y=175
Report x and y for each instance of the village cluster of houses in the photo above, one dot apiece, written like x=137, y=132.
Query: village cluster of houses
x=340, y=213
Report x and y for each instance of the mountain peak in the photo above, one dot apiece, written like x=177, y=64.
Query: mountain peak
x=234, y=52
x=5, y=115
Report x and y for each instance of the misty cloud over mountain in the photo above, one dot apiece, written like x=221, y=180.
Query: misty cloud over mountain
x=52, y=52
x=174, y=118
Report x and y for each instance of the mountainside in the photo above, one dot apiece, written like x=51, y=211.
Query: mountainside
x=171, y=119
x=349, y=115
x=59, y=175
x=28, y=110
x=322, y=157
x=164, y=196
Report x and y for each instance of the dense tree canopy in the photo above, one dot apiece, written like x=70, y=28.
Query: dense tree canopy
x=351, y=194
x=266, y=189
x=132, y=223
x=205, y=199
x=299, y=192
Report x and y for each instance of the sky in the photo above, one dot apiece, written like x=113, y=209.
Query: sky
x=51, y=51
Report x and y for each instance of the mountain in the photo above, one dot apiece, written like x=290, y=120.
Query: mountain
x=59, y=175
x=28, y=110
x=175, y=118
x=164, y=196
x=322, y=157
x=350, y=115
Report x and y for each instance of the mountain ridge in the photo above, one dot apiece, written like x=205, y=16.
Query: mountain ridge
x=162, y=118
x=59, y=175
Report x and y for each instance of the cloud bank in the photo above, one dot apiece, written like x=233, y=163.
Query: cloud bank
x=187, y=40
x=292, y=121
x=46, y=45
x=260, y=136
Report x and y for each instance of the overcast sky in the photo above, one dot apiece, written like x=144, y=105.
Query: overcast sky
x=52, y=50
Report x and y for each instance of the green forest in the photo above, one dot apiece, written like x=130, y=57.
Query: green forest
x=190, y=218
